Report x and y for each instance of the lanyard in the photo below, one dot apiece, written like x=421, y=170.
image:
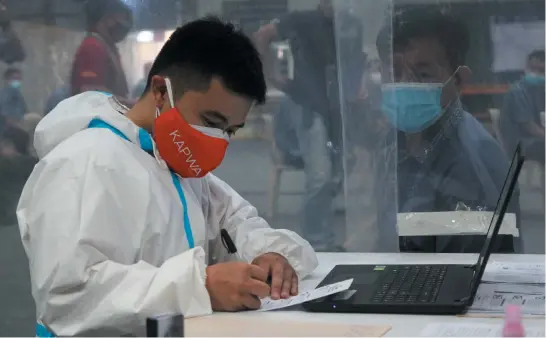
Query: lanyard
x=147, y=145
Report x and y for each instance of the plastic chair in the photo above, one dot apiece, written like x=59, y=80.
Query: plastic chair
x=279, y=165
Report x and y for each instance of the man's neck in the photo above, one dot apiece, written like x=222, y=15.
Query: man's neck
x=142, y=114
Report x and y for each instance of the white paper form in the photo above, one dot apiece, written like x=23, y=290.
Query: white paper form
x=269, y=304
x=474, y=330
x=493, y=298
x=520, y=273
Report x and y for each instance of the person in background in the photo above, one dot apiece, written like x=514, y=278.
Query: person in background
x=16, y=164
x=447, y=161
x=315, y=88
x=122, y=218
x=141, y=85
x=58, y=95
x=97, y=63
x=522, y=114
x=29, y=123
x=12, y=102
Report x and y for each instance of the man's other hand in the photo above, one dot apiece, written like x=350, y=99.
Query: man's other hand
x=236, y=286
x=284, y=280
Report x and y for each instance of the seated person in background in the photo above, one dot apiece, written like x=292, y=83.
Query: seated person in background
x=29, y=123
x=15, y=167
x=446, y=159
x=521, y=119
x=122, y=218
x=12, y=102
x=58, y=95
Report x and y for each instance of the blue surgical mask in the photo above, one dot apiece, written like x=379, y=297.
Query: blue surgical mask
x=534, y=79
x=412, y=107
x=15, y=84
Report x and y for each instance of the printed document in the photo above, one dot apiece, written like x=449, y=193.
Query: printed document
x=493, y=298
x=519, y=273
x=269, y=304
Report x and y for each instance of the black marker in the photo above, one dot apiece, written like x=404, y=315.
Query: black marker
x=228, y=242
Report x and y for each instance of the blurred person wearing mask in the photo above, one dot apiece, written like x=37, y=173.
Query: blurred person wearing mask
x=315, y=88
x=97, y=63
x=12, y=102
x=521, y=119
x=122, y=218
x=446, y=160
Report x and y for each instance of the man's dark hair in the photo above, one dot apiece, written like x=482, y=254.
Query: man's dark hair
x=410, y=24
x=207, y=48
x=10, y=72
x=96, y=10
x=536, y=55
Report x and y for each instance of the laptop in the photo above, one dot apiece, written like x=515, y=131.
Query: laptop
x=419, y=289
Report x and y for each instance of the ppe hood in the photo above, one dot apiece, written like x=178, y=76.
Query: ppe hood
x=74, y=114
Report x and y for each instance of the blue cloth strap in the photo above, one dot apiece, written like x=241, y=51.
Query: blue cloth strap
x=147, y=145
x=42, y=331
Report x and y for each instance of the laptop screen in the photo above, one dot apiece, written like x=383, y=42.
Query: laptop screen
x=498, y=216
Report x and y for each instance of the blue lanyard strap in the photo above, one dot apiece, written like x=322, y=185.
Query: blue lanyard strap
x=146, y=145
x=187, y=227
x=42, y=331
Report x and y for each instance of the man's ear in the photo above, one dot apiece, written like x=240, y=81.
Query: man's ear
x=463, y=76
x=159, y=91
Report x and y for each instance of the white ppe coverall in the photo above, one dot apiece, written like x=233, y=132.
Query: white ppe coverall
x=103, y=228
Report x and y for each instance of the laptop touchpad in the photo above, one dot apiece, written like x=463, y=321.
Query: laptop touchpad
x=360, y=278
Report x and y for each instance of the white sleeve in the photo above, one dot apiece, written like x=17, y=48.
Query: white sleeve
x=251, y=233
x=82, y=228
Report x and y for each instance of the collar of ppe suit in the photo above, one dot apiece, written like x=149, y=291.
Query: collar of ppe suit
x=74, y=114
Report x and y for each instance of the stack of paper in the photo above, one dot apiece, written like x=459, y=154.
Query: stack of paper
x=511, y=283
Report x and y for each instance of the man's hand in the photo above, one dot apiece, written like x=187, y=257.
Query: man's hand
x=284, y=281
x=236, y=286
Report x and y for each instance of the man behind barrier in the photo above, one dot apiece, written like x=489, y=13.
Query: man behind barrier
x=122, y=219
x=446, y=159
x=521, y=119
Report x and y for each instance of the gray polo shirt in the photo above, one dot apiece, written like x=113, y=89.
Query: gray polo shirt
x=460, y=165
x=522, y=104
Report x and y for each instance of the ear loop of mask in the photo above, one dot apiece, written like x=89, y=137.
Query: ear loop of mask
x=169, y=91
x=452, y=75
x=446, y=83
x=169, y=94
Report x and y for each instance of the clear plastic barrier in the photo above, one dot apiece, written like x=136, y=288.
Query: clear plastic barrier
x=389, y=124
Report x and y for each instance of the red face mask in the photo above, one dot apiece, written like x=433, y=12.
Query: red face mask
x=190, y=151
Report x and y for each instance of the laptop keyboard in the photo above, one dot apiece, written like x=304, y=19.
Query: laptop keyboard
x=411, y=284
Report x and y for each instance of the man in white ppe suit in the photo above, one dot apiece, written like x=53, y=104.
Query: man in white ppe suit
x=122, y=219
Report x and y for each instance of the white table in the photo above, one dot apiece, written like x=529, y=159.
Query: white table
x=402, y=325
